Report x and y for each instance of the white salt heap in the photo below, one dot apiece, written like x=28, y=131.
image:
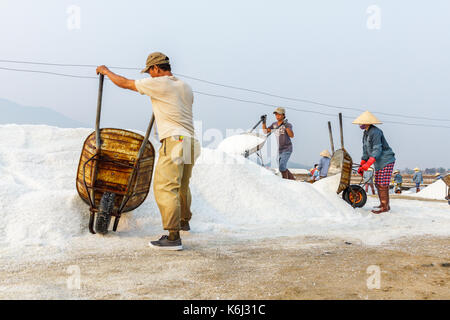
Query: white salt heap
x=233, y=198
x=437, y=190
x=239, y=144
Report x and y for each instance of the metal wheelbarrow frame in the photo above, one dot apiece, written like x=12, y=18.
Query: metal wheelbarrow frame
x=256, y=149
x=114, y=172
x=341, y=162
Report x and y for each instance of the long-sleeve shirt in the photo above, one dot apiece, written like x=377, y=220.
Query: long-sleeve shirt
x=324, y=164
x=376, y=146
x=417, y=178
x=398, y=178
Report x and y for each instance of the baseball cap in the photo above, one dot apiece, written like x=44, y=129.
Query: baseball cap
x=155, y=58
x=280, y=110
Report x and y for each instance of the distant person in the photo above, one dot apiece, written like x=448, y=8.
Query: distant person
x=172, y=100
x=376, y=152
x=324, y=163
x=284, y=134
x=315, y=173
x=368, y=176
x=417, y=178
x=437, y=176
x=398, y=181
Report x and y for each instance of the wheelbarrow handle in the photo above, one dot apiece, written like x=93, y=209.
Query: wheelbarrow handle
x=254, y=127
x=99, y=110
x=341, y=129
x=136, y=166
x=285, y=121
x=331, y=137
x=147, y=134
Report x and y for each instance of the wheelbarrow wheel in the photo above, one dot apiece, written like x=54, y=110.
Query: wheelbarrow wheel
x=104, y=214
x=358, y=197
x=344, y=193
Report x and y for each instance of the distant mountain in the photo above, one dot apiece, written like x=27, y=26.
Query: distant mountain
x=11, y=112
x=293, y=165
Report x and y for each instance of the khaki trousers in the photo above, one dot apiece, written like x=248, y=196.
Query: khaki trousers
x=173, y=171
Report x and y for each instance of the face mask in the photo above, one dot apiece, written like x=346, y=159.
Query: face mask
x=363, y=126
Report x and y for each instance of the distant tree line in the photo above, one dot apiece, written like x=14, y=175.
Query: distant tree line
x=441, y=170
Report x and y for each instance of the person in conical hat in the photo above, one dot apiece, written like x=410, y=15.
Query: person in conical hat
x=417, y=178
x=324, y=164
x=325, y=153
x=376, y=152
x=398, y=180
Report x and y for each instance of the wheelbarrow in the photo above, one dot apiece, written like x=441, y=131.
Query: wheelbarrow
x=114, y=172
x=446, y=180
x=257, y=148
x=341, y=162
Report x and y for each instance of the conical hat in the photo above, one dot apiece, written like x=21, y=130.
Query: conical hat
x=416, y=169
x=325, y=153
x=366, y=118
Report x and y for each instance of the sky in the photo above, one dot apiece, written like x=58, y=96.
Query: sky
x=382, y=56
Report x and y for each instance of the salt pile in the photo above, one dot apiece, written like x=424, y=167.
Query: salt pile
x=239, y=144
x=233, y=198
x=248, y=197
x=437, y=190
x=37, y=199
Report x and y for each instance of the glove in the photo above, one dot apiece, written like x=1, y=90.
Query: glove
x=263, y=118
x=360, y=170
x=367, y=165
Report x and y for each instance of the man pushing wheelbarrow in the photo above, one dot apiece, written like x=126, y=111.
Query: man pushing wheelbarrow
x=172, y=101
x=376, y=151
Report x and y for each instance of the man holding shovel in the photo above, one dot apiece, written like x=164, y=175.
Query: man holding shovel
x=172, y=101
x=284, y=133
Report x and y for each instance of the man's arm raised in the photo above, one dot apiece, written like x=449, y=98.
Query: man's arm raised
x=119, y=81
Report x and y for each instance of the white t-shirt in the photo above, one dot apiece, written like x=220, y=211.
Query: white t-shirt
x=172, y=101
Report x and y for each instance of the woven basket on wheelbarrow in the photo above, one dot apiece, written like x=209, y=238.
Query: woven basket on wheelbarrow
x=446, y=180
x=341, y=162
x=114, y=173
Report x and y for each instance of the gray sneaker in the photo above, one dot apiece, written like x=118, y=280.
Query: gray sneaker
x=165, y=244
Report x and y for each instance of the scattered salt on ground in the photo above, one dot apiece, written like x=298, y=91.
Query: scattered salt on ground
x=240, y=143
x=233, y=199
x=437, y=190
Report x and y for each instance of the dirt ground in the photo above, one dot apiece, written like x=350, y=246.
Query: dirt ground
x=281, y=268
